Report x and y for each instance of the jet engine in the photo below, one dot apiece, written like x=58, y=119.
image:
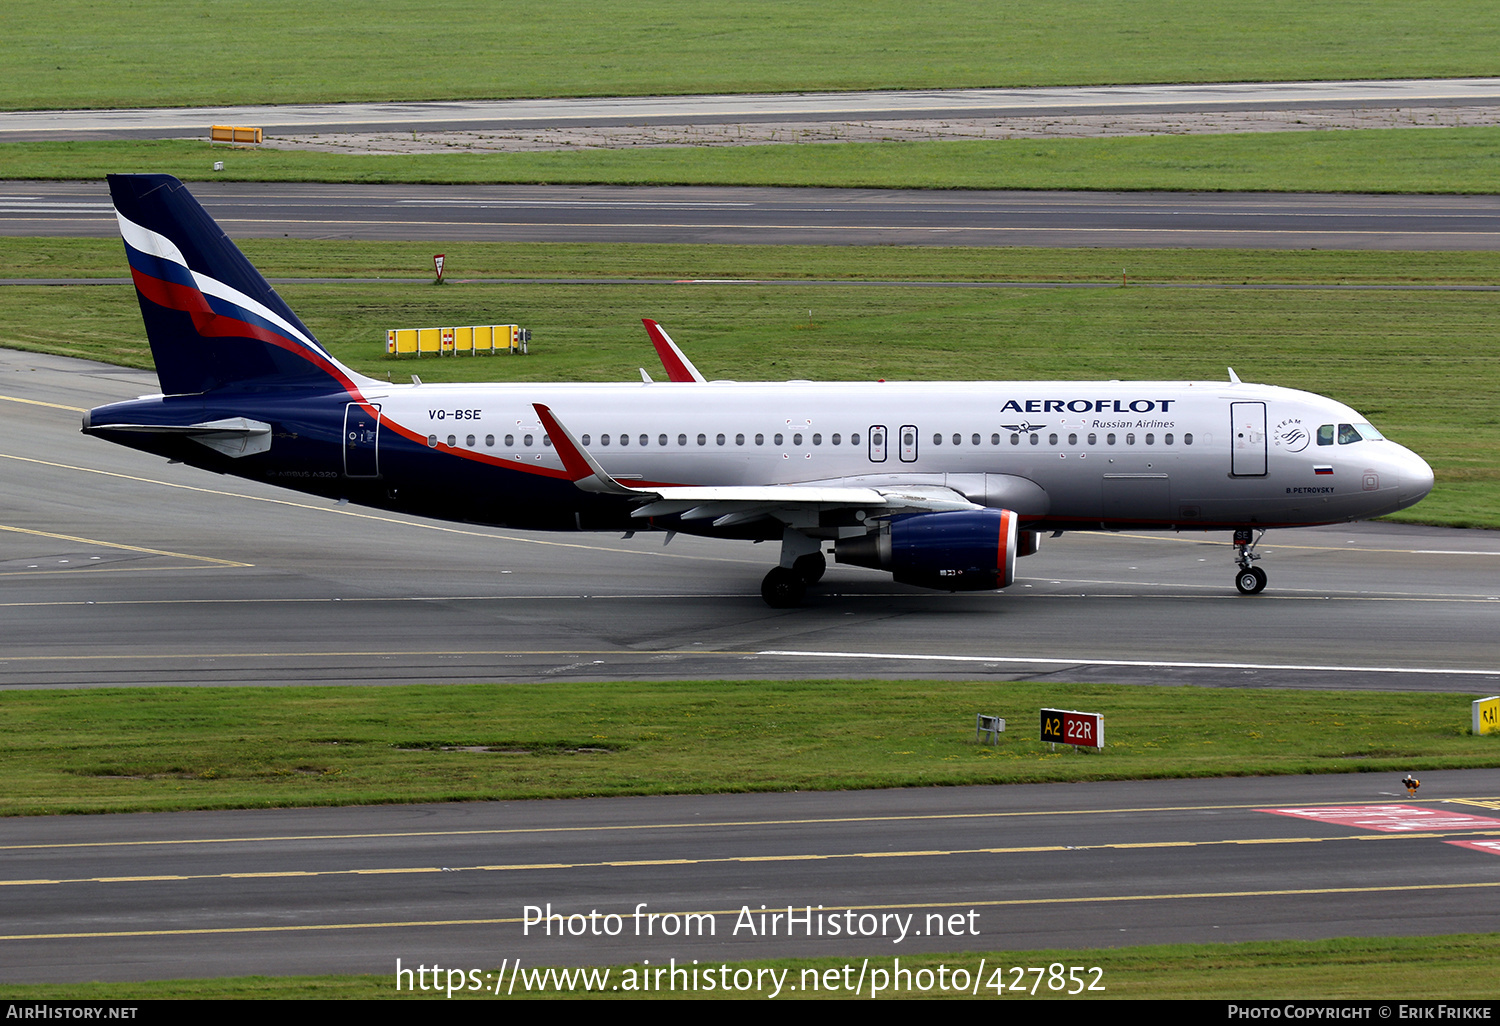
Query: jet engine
x=964, y=550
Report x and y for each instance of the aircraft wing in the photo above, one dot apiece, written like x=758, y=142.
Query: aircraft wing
x=731, y=504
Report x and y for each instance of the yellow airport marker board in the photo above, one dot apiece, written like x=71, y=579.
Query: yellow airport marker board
x=1487, y=715
x=474, y=338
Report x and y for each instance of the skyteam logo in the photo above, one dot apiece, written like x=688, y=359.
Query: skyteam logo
x=1291, y=435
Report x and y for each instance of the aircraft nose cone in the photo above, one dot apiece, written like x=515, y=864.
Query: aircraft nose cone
x=1416, y=478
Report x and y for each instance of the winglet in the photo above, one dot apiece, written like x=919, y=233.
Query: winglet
x=678, y=366
x=582, y=470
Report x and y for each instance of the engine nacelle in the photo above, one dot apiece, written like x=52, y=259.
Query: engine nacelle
x=1028, y=543
x=965, y=550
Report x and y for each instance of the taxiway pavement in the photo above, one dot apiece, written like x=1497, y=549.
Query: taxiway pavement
x=962, y=870
x=873, y=105
x=495, y=213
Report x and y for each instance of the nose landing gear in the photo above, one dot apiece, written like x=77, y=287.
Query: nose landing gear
x=1249, y=579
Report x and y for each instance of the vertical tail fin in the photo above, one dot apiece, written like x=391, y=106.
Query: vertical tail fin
x=213, y=322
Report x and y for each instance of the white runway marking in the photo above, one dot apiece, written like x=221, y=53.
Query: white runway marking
x=1087, y=661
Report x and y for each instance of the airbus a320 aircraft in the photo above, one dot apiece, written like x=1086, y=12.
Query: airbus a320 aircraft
x=941, y=484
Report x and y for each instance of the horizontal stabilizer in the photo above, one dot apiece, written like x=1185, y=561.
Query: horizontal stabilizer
x=233, y=436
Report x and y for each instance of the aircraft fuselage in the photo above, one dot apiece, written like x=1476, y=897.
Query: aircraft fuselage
x=1063, y=454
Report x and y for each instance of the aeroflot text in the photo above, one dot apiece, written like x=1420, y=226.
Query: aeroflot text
x=749, y=923
x=1087, y=406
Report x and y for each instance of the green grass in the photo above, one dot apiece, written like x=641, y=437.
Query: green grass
x=75, y=53
x=1406, y=160
x=1456, y=967
x=1414, y=362
x=159, y=749
x=302, y=258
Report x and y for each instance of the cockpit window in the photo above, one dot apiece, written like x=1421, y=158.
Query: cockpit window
x=1348, y=433
x=1325, y=434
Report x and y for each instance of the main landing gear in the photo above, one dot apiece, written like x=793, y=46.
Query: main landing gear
x=802, y=563
x=784, y=587
x=1249, y=579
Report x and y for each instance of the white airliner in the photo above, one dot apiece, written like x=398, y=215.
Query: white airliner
x=942, y=484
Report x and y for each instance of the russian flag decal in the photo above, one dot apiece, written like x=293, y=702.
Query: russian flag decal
x=1323, y=470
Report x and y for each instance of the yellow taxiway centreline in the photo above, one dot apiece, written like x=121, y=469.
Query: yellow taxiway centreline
x=1006, y=903
x=744, y=859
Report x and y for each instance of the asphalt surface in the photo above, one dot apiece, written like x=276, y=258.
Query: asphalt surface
x=787, y=216
x=877, y=105
x=906, y=871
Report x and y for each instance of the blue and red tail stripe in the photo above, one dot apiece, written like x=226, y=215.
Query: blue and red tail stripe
x=212, y=320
